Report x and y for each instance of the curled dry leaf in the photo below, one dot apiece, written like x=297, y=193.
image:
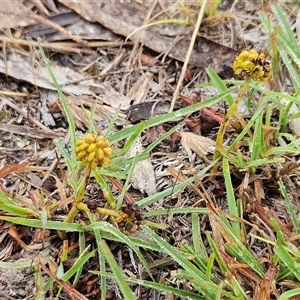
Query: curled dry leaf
x=143, y=177
x=199, y=144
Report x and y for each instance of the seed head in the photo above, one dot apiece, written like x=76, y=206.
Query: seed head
x=93, y=150
x=252, y=64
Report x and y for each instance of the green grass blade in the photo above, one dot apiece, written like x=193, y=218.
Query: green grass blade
x=78, y=264
x=288, y=260
x=55, y=225
x=250, y=123
x=105, y=188
x=289, y=294
x=284, y=24
x=159, y=286
x=127, y=182
x=180, y=210
x=219, y=84
x=198, y=244
x=12, y=265
x=160, y=195
x=137, y=132
x=62, y=99
x=82, y=247
x=231, y=198
x=101, y=257
x=17, y=210
x=106, y=227
x=39, y=283
x=258, y=139
x=217, y=255
x=289, y=65
x=208, y=288
x=279, y=233
x=289, y=205
x=111, y=123
x=236, y=248
x=122, y=134
x=159, y=140
x=126, y=291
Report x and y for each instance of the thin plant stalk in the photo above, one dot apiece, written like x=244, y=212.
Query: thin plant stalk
x=232, y=109
x=74, y=210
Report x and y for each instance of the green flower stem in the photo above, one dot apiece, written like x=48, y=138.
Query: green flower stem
x=108, y=212
x=230, y=112
x=74, y=210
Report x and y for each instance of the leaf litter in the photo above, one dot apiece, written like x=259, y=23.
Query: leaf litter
x=144, y=75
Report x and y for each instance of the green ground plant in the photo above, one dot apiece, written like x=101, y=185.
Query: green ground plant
x=218, y=263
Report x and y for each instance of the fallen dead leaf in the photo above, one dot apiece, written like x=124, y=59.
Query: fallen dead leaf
x=263, y=290
x=73, y=23
x=20, y=67
x=13, y=13
x=199, y=144
x=174, y=39
x=140, y=89
x=143, y=177
x=6, y=170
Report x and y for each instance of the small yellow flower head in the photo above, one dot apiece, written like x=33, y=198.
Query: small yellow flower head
x=93, y=150
x=252, y=64
x=130, y=218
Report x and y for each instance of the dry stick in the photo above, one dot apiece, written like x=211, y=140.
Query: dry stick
x=58, y=28
x=31, y=16
x=164, y=9
x=103, y=75
x=66, y=285
x=62, y=47
x=188, y=55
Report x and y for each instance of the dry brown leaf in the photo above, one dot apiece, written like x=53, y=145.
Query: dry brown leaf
x=20, y=67
x=264, y=288
x=140, y=89
x=143, y=177
x=74, y=24
x=199, y=144
x=6, y=170
x=102, y=111
x=174, y=39
x=13, y=13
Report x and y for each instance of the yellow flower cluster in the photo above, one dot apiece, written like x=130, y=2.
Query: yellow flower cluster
x=130, y=218
x=93, y=150
x=252, y=64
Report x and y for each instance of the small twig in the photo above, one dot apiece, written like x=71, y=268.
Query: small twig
x=61, y=47
x=103, y=75
x=58, y=28
x=188, y=55
x=66, y=285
